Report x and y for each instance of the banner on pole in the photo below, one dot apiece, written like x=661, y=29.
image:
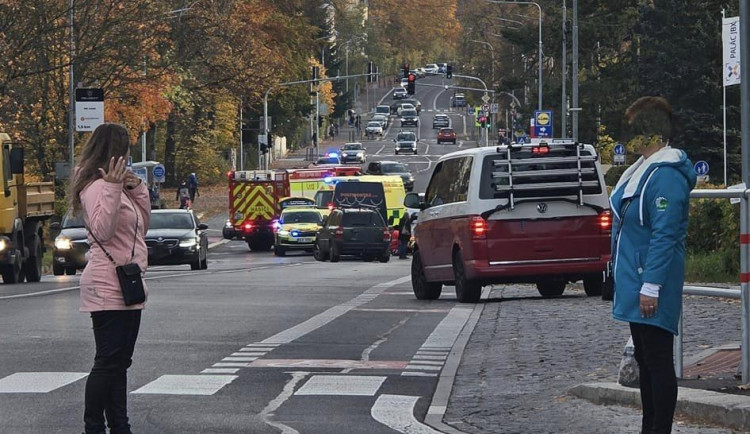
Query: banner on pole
x=730, y=36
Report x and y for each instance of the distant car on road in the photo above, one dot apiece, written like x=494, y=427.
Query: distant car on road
x=383, y=119
x=446, y=135
x=458, y=100
x=404, y=82
x=420, y=72
x=373, y=128
x=71, y=246
x=353, y=152
x=409, y=117
x=383, y=110
x=392, y=168
x=406, y=141
x=328, y=160
x=431, y=68
x=399, y=93
x=440, y=120
x=176, y=236
x=405, y=106
x=353, y=231
x=413, y=101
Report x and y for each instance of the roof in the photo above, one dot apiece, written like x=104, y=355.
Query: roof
x=485, y=150
x=171, y=210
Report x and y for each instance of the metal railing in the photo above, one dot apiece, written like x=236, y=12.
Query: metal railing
x=743, y=293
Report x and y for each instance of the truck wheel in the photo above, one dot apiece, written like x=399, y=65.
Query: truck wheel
x=550, y=288
x=70, y=271
x=593, y=284
x=467, y=291
x=58, y=270
x=32, y=268
x=11, y=273
x=423, y=289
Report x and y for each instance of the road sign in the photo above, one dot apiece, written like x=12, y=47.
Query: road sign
x=736, y=200
x=262, y=139
x=486, y=98
x=619, y=159
x=142, y=173
x=89, y=108
x=159, y=173
x=543, y=123
x=619, y=149
x=486, y=108
x=494, y=108
x=701, y=168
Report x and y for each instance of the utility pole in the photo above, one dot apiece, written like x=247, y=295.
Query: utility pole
x=576, y=109
x=242, y=146
x=71, y=95
x=745, y=211
x=563, y=108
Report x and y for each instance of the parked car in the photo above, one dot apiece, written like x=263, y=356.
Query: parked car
x=431, y=68
x=353, y=152
x=399, y=93
x=406, y=141
x=176, y=236
x=409, y=117
x=71, y=245
x=373, y=128
x=537, y=214
x=446, y=135
x=392, y=168
x=440, y=120
x=358, y=232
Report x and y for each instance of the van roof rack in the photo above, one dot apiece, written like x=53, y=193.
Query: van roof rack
x=579, y=166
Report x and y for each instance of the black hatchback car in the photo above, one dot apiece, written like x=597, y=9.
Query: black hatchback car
x=71, y=246
x=175, y=236
x=358, y=232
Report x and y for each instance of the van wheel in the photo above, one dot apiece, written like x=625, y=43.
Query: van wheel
x=593, y=284
x=423, y=289
x=467, y=291
x=551, y=288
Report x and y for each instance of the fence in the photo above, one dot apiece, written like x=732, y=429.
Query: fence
x=743, y=293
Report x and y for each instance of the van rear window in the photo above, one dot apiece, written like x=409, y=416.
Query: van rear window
x=551, y=174
x=362, y=219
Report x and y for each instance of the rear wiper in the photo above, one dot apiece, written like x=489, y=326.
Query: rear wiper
x=485, y=215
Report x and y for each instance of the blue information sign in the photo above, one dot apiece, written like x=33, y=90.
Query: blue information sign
x=543, y=123
x=701, y=168
x=619, y=149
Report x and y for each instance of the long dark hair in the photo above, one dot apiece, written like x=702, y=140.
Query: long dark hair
x=107, y=141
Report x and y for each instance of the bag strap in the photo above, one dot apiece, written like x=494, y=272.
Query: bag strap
x=623, y=210
x=135, y=236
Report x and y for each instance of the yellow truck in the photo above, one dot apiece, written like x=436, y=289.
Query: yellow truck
x=24, y=206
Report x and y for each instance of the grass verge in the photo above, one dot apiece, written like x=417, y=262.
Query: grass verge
x=718, y=267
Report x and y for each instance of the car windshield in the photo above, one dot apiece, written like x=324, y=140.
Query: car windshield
x=352, y=147
x=378, y=118
x=409, y=113
x=323, y=198
x=373, y=124
x=171, y=220
x=300, y=217
x=446, y=130
x=359, y=219
x=72, y=221
x=382, y=109
x=406, y=136
x=393, y=168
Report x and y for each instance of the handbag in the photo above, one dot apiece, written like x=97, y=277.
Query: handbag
x=128, y=275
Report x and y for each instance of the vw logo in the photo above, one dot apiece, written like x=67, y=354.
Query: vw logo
x=160, y=239
x=542, y=208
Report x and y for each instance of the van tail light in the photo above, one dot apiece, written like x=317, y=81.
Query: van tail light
x=330, y=205
x=478, y=227
x=339, y=233
x=386, y=234
x=605, y=221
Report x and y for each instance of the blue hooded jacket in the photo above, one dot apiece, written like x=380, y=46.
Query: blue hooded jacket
x=651, y=243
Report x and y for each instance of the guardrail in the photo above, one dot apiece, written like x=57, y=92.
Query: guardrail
x=743, y=293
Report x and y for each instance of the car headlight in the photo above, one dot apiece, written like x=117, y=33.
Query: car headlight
x=345, y=154
x=188, y=242
x=61, y=243
x=283, y=233
x=411, y=178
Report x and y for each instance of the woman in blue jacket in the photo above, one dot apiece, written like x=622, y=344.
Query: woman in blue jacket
x=650, y=204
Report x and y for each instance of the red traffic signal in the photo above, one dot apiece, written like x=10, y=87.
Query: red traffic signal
x=412, y=77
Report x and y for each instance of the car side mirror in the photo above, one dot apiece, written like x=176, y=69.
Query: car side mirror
x=55, y=226
x=202, y=227
x=412, y=200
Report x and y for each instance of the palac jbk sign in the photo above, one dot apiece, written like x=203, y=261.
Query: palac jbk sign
x=730, y=35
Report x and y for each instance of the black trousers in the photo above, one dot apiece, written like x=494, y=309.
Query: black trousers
x=654, y=353
x=115, y=333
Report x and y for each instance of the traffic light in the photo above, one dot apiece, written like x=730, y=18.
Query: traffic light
x=410, y=87
x=314, y=78
x=449, y=71
x=406, y=70
x=483, y=121
x=370, y=72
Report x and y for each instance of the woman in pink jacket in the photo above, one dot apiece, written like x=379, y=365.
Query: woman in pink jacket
x=116, y=209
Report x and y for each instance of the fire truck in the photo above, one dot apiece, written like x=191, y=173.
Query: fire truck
x=254, y=199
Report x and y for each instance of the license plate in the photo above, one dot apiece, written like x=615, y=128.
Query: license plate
x=305, y=240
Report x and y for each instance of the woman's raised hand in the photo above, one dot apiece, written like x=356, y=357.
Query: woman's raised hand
x=116, y=172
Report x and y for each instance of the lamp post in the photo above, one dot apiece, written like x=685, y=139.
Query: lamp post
x=492, y=59
x=539, y=104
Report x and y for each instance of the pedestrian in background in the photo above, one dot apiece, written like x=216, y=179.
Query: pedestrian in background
x=116, y=209
x=192, y=184
x=650, y=207
x=404, y=235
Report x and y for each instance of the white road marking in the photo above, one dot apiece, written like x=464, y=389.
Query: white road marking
x=238, y=359
x=218, y=243
x=418, y=374
x=220, y=371
x=397, y=412
x=421, y=357
x=231, y=365
x=267, y=413
x=425, y=368
x=38, y=382
x=446, y=333
x=341, y=385
x=426, y=362
x=382, y=338
x=186, y=385
x=331, y=314
x=264, y=346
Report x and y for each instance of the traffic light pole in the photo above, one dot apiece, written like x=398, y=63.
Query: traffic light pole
x=292, y=83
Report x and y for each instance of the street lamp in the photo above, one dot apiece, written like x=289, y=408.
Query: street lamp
x=492, y=58
x=539, y=104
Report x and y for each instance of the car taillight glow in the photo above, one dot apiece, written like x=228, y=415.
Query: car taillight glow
x=478, y=227
x=605, y=221
x=386, y=234
x=248, y=226
x=339, y=233
x=330, y=205
x=540, y=150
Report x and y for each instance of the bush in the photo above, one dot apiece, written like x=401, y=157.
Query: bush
x=613, y=175
x=715, y=267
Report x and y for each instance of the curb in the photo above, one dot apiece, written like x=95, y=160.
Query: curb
x=731, y=411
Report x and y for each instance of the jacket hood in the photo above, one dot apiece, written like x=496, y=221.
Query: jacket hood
x=636, y=175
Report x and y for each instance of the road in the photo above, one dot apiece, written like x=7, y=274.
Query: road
x=253, y=344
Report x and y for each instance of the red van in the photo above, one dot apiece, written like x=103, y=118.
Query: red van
x=531, y=213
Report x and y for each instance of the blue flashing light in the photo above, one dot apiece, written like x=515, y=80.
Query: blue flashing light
x=328, y=179
x=295, y=234
x=333, y=154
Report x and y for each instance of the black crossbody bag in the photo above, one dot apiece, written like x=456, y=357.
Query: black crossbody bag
x=128, y=275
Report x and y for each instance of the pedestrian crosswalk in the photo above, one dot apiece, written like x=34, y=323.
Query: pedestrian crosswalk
x=38, y=382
